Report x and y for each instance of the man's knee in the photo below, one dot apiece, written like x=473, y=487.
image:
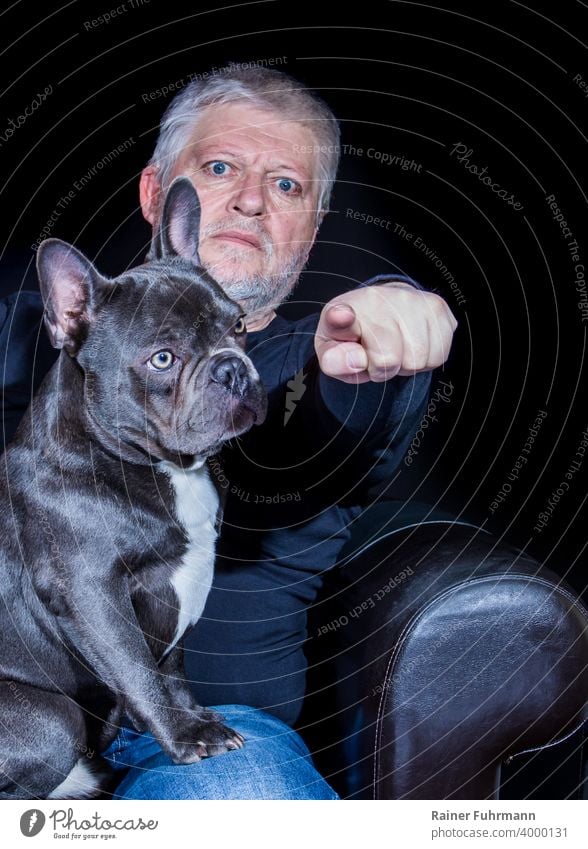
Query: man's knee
x=297, y=779
x=274, y=764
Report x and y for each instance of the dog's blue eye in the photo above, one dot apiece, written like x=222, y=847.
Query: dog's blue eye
x=162, y=360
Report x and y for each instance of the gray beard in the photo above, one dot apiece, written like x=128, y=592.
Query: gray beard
x=259, y=291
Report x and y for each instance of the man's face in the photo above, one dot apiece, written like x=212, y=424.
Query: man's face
x=256, y=177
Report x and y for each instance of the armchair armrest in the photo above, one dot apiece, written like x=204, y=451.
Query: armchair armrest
x=448, y=652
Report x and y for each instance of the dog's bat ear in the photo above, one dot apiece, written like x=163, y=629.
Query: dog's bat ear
x=180, y=223
x=70, y=287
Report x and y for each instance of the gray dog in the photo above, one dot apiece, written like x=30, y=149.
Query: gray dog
x=109, y=515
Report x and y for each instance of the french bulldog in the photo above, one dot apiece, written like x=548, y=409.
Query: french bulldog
x=109, y=513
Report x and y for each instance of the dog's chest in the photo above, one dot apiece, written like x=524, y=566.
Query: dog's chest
x=195, y=509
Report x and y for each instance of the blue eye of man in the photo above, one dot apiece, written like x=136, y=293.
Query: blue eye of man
x=286, y=185
x=219, y=168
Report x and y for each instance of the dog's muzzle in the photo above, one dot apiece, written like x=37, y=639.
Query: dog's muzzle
x=237, y=376
x=230, y=371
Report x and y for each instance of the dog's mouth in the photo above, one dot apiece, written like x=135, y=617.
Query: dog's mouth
x=201, y=435
x=240, y=415
x=253, y=406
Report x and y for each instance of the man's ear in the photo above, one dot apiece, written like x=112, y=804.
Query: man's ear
x=71, y=289
x=149, y=192
x=178, y=232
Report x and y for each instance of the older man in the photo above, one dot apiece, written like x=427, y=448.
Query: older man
x=347, y=387
x=262, y=154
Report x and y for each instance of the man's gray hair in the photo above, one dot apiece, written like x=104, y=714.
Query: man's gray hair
x=265, y=89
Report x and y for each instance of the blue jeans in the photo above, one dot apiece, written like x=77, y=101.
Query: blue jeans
x=275, y=763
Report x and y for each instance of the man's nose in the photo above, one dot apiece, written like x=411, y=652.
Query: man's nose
x=249, y=197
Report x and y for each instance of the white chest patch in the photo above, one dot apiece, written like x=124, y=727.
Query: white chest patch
x=196, y=508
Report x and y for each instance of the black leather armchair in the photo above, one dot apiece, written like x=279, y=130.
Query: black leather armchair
x=445, y=664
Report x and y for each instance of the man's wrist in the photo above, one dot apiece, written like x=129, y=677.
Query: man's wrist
x=393, y=281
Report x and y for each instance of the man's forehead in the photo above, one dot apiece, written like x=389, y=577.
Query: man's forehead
x=246, y=129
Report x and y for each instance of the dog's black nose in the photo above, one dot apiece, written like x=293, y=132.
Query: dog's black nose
x=231, y=372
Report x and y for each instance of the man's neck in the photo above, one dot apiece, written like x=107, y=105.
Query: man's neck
x=257, y=321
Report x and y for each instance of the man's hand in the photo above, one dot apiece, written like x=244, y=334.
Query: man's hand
x=383, y=330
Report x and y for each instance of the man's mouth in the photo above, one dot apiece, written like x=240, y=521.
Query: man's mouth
x=239, y=238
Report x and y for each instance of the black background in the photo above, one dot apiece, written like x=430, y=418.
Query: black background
x=404, y=78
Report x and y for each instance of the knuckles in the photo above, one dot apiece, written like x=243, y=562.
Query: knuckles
x=387, y=316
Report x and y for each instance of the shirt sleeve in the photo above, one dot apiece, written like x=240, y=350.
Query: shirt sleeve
x=371, y=425
x=395, y=411
x=360, y=432
x=388, y=278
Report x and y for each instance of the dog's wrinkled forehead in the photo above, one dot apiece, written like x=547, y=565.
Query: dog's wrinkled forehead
x=169, y=300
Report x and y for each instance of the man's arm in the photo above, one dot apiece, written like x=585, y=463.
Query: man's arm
x=358, y=434
x=366, y=426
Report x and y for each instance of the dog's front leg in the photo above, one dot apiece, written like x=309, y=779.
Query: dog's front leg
x=174, y=677
x=99, y=621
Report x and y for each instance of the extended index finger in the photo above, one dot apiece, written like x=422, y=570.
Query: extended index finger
x=339, y=322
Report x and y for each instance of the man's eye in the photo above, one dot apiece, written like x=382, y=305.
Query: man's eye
x=217, y=168
x=288, y=186
x=161, y=361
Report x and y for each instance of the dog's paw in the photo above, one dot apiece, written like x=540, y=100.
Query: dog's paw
x=214, y=738
x=201, y=739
